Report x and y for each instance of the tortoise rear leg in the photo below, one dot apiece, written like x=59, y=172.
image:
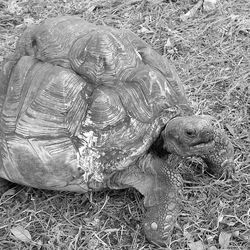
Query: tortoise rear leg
x=4, y=185
x=161, y=186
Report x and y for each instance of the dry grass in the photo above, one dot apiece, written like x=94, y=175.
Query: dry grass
x=212, y=54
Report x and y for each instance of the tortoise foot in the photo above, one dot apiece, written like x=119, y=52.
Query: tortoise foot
x=159, y=222
x=227, y=170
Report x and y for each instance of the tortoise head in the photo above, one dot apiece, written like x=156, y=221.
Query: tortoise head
x=200, y=136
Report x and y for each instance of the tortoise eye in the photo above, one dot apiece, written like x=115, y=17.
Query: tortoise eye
x=190, y=132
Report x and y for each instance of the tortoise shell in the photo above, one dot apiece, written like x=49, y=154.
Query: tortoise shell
x=80, y=101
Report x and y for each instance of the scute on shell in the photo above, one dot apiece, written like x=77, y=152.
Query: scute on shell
x=106, y=109
x=43, y=100
x=102, y=57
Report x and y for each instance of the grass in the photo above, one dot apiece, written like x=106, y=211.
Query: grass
x=211, y=51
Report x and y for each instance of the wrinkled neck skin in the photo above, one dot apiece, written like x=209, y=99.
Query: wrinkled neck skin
x=200, y=136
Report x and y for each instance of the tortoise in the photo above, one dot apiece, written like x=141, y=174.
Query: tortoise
x=86, y=107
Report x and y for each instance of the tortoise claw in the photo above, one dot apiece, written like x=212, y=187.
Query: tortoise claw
x=228, y=170
x=220, y=158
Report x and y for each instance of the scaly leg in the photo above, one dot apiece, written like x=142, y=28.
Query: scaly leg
x=161, y=186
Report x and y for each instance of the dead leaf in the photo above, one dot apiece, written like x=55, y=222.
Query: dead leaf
x=209, y=5
x=92, y=5
x=198, y=245
x=191, y=12
x=145, y=30
x=236, y=233
x=224, y=239
x=231, y=223
x=210, y=238
x=14, y=8
x=245, y=25
x=220, y=218
x=21, y=233
x=246, y=236
x=28, y=20
x=212, y=248
x=93, y=244
x=187, y=235
x=168, y=43
x=231, y=130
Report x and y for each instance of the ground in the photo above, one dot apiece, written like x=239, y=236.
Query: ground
x=211, y=51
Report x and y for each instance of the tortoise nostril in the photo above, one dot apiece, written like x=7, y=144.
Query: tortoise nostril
x=34, y=43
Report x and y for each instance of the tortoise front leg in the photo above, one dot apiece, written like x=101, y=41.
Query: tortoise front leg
x=161, y=186
x=220, y=160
